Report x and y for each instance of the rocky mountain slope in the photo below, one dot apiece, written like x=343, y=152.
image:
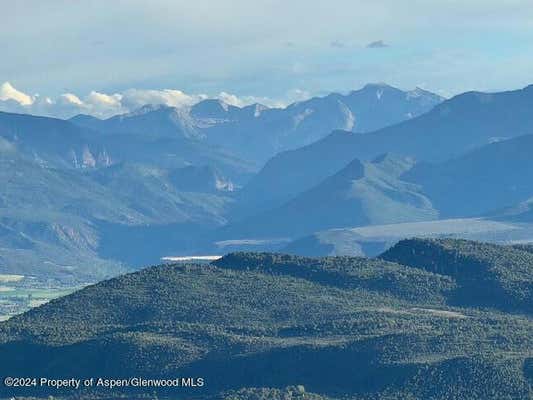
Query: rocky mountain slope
x=265, y=132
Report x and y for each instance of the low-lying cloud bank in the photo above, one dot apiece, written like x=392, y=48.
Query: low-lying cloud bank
x=104, y=105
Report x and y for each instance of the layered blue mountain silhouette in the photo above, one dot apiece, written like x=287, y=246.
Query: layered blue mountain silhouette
x=450, y=129
x=214, y=174
x=362, y=193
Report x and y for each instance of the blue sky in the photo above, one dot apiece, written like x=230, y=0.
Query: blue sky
x=278, y=51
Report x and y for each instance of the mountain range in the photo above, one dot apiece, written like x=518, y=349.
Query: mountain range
x=362, y=193
x=490, y=181
x=128, y=189
x=256, y=132
x=402, y=177
x=451, y=129
x=59, y=223
x=52, y=141
x=492, y=177
x=265, y=132
x=165, y=181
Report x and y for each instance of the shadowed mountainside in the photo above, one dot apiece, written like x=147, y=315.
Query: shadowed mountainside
x=362, y=193
x=452, y=128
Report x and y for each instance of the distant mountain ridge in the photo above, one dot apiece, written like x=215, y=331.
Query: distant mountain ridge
x=157, y=121
x=62, y=223
x=273, y=130
x=53, y=141
x=184, y=192
x=452, y=128
x=372, y=240
x=256, y=132
x=492, y=177
x=362, y=193
x=163, y=136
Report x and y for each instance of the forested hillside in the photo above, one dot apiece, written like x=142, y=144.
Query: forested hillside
x=341, y=327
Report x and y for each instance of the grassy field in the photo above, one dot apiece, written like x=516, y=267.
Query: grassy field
x=19, y=294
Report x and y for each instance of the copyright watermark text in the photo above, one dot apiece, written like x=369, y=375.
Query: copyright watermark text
x=105, y=383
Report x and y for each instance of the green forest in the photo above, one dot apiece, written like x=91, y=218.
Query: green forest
x=428, y=319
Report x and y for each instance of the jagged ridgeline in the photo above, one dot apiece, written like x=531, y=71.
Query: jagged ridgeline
x=429, y=319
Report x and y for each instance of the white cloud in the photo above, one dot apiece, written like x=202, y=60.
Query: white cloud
x=242, y=101
x=135, y=98
x=231, y=99
x=8, y=92
x=104, y=105
x=102, y=99
x=70, y=99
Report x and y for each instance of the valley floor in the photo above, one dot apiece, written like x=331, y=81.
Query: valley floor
x=19, y=293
